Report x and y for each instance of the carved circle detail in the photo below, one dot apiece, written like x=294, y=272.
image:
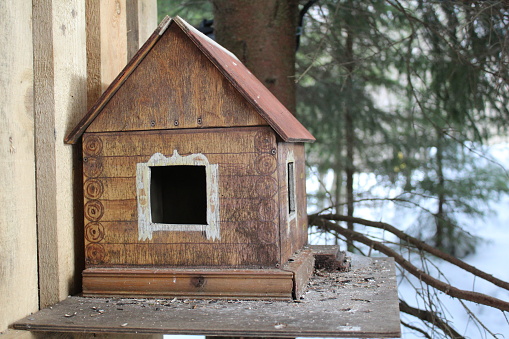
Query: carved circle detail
x=95, y=254
x=265, y=164
x=92, y=145
x=264, y=141
x=265, y=187
x=94, y=232
x=93, y=189
x=92, y=167
x=267, y=210
x=94, y=210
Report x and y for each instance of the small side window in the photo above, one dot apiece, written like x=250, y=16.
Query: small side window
x=291, y=188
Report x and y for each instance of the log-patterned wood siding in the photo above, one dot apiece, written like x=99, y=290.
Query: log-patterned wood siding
x=248, y=193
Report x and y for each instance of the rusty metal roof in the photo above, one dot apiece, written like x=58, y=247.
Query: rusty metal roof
x=266, y=104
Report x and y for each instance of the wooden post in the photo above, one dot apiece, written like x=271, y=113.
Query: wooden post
x=115, y=32
x=18, y=241
x=106, y=44
x=67, y=78
x=43, y=78
x=141, y=22
x=59, y=101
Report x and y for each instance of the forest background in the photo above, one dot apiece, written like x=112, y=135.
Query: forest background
x=406, y=100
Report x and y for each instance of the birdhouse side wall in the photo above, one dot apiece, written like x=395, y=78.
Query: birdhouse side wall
x=247, y=177
x=292, y=197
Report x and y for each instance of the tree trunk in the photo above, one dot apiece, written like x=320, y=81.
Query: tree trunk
x=349, y=135
x=440, y=215
x=262, y=35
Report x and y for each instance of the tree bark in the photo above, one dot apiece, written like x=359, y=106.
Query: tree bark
x=349, y=135
x=440, y=215
x=262, y=35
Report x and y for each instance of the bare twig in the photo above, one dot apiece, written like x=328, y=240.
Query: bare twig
x=448, y=289
x=421, y=246
x=429, y=317
x=417, y=329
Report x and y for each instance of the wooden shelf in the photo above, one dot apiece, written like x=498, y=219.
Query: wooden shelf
x=359, y=303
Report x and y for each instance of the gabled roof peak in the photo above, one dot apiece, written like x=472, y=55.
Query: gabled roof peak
x=265, y=103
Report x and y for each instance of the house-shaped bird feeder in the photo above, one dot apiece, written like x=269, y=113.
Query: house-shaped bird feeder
x=193, y=178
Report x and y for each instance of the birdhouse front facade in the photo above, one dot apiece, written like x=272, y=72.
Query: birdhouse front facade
x=193, y=178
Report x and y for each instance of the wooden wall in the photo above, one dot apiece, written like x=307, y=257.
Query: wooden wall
x=45, y=82
x=248, y=199
x=18, y=241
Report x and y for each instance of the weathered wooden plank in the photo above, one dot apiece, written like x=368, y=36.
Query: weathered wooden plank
x=60, y=97
x=302, y=264
x=141, y=20
x=293, y=224
x=230, y=164
x=272, y=110
x=252, y=187
x=107, y=43
x=188, y=92
x=147, y=19
x=18, y=234
x=181, y=255
x=114, y=232
x=300, y=188
x=364, y=307
x=231, y=210
x=133, y=36
x=189, y=283
x=217, y=140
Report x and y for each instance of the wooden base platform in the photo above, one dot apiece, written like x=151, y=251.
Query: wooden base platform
x=361, y=303
x=285, y=283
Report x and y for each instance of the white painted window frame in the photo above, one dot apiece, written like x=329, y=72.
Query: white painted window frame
x=143, y=177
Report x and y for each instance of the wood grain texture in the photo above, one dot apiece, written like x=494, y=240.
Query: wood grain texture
x=247, y=167
x=147, y=19
x=267, y=105
x=141, y=20
x=113, y=31
x=60, y=99
x=133, y=34
x=367, y=307
x=293, y=226
x=286, y=283
x=175, y=87
x=189, y=283
x=106, y=42
x=302, y=265
x=73, y=136
x=18, y=233
x=173, y=64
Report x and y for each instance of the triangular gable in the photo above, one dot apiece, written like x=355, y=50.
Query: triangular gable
x=264, y=102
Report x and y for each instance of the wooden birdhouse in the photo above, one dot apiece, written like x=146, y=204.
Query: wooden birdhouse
x=193, y=178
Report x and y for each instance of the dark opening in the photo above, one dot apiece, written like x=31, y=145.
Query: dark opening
x=178, y=195
x=291, y=188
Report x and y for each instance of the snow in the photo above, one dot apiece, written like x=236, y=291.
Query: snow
x=490, y=257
